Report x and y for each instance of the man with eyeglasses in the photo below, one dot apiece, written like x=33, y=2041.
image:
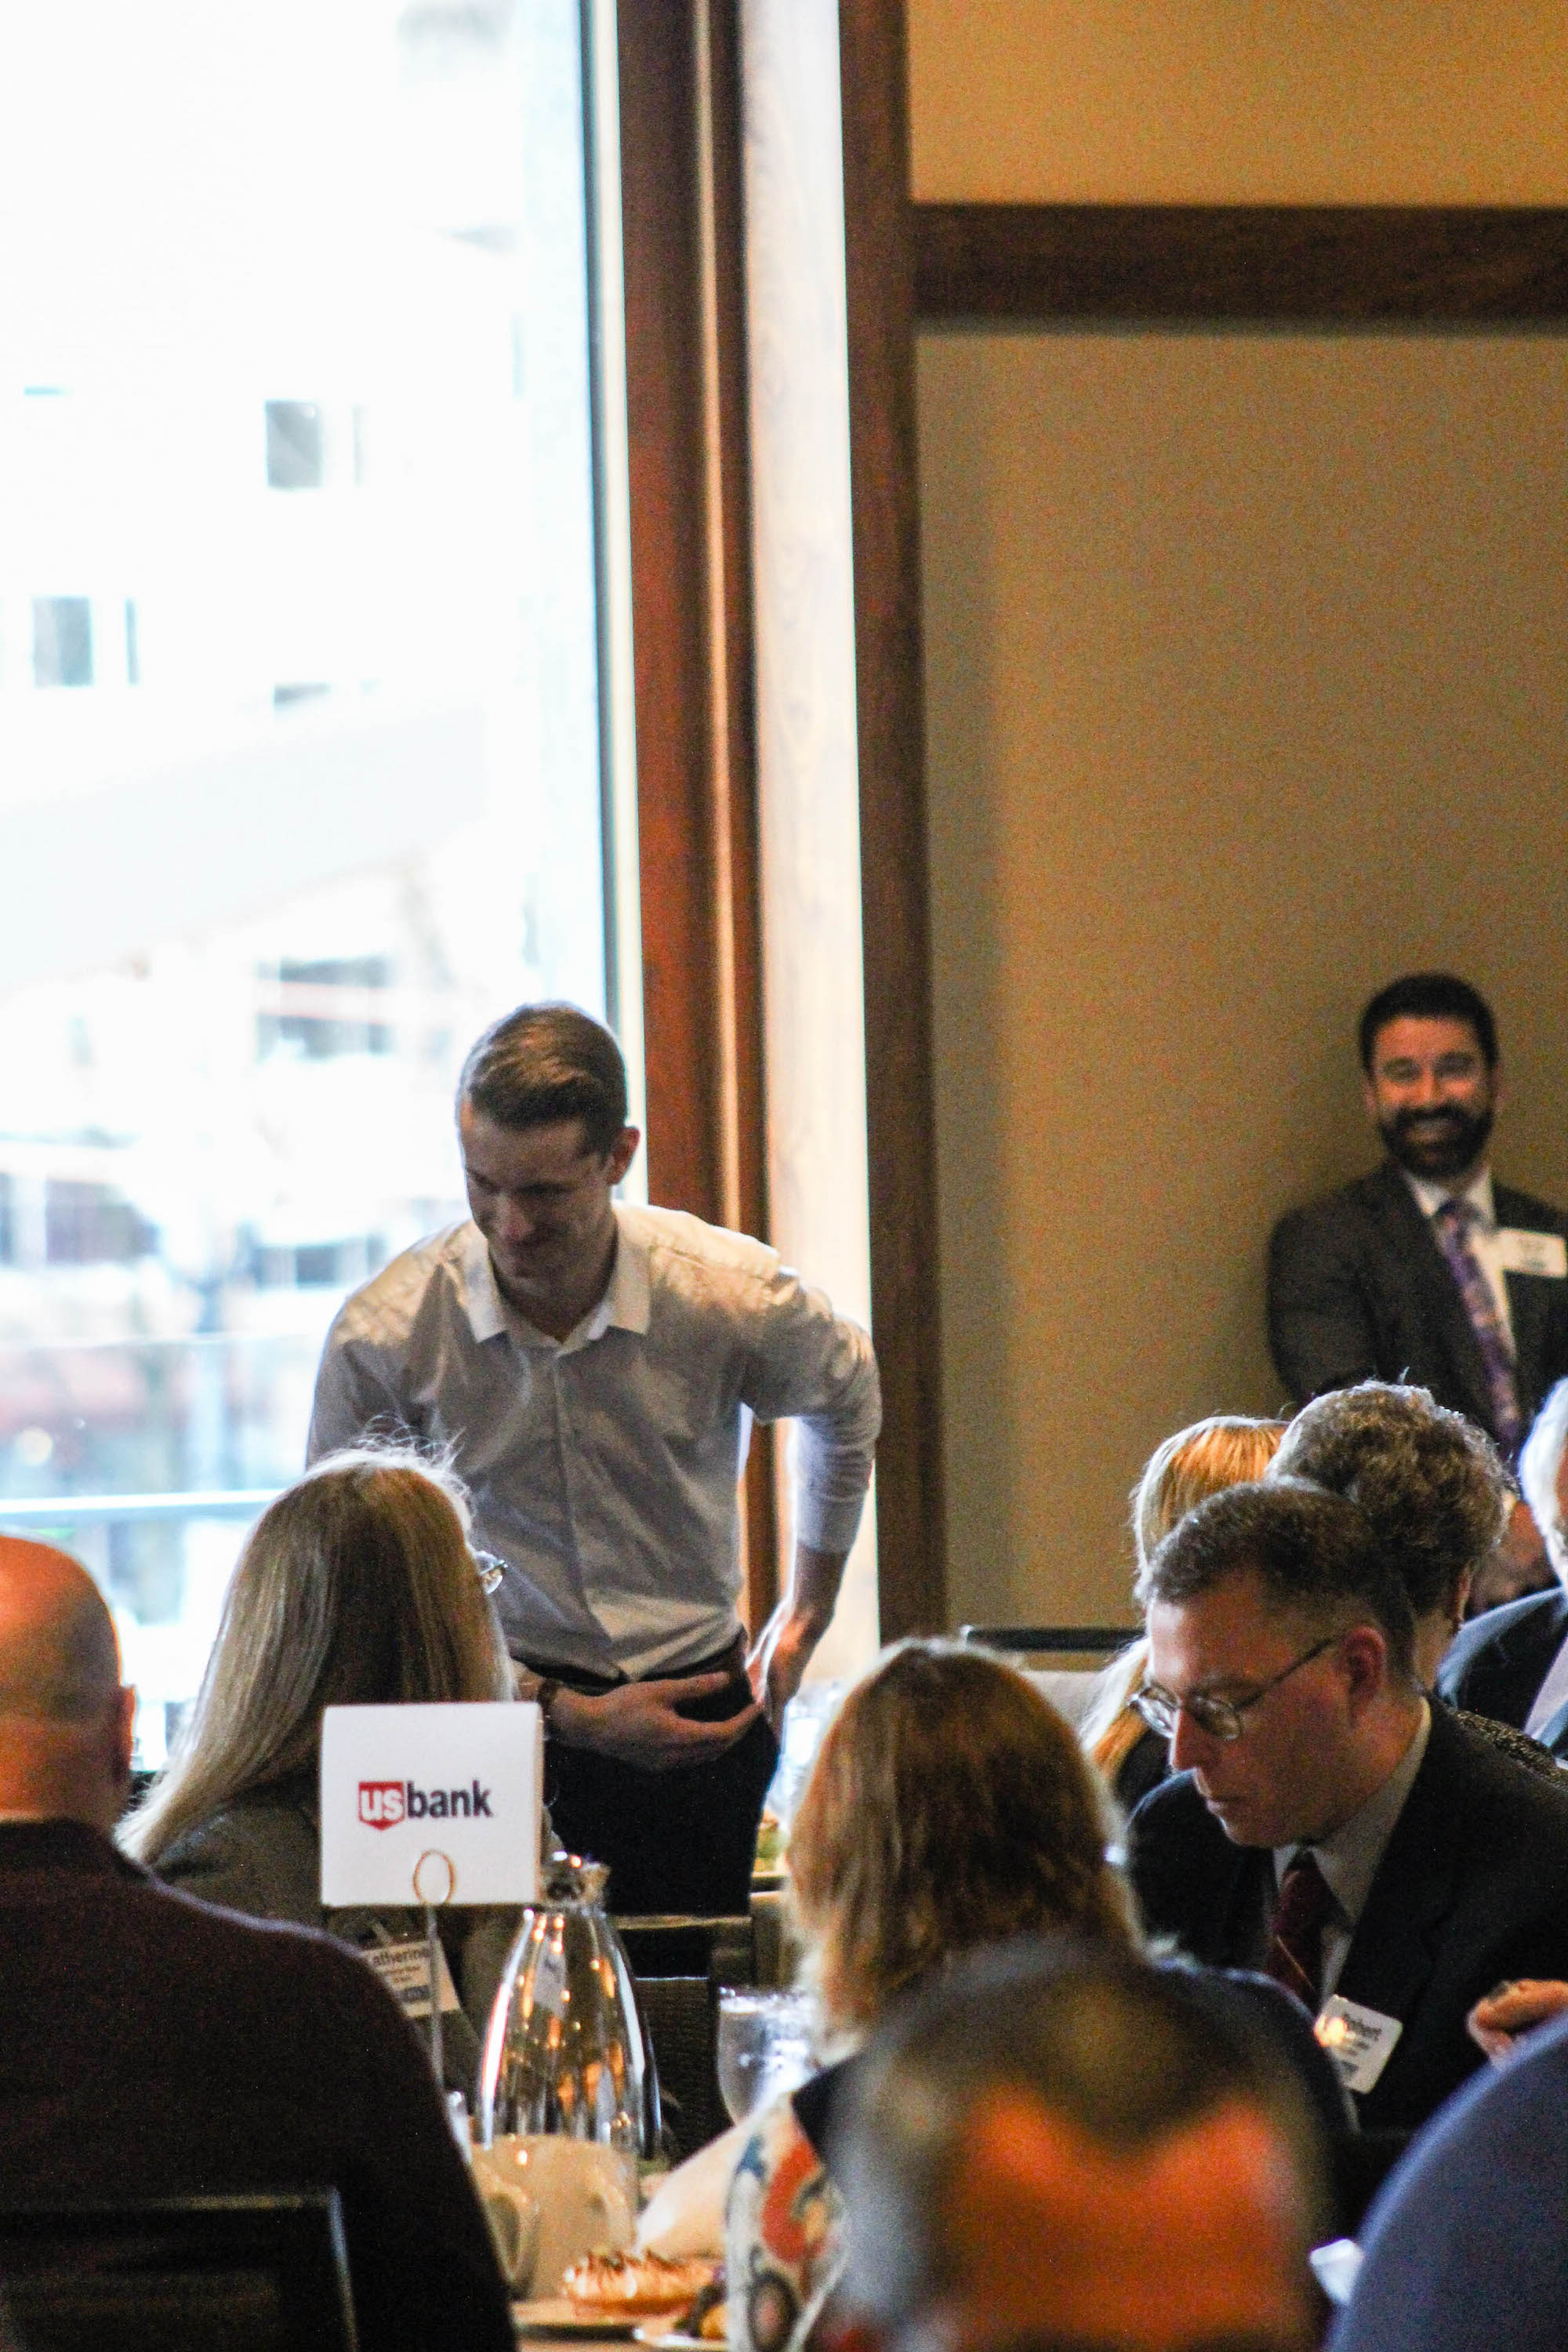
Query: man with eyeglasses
x=1327, y=1823
x=1425, y=1271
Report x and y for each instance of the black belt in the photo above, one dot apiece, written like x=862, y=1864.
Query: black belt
x=730, y=1659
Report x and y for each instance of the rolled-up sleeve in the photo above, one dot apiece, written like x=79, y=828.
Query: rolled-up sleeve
x=818, y=1370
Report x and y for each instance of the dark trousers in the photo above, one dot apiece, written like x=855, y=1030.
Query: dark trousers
x=673, y=1842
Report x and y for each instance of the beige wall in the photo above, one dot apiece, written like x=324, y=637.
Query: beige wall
x=1248, y=667
x=1246, y=689
x=1239, y=101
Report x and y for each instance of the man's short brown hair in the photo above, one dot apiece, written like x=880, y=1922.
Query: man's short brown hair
x=546, y=1063
x=1312, y=1552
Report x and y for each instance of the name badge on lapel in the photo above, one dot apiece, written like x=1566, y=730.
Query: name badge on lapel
x=404, y=1970
x=1359, y=2041
x=1522, y=1252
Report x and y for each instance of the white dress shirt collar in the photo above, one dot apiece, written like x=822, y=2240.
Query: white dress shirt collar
x=625, y=1306
x=1430, y=1196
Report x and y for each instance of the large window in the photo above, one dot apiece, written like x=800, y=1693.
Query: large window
x=299, y=713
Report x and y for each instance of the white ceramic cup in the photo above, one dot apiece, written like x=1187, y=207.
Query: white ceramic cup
x=512, y=2210
x=585, y=2197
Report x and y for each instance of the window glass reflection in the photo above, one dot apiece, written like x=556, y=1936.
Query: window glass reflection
x=298, y=739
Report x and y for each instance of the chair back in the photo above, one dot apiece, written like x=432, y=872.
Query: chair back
x=681, y=1963
x=255, y=2274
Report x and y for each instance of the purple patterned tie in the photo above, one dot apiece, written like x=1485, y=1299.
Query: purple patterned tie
x=1295, y=1957
x=1453, y=1222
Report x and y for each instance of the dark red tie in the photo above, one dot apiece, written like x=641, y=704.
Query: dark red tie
x=1295, y=1939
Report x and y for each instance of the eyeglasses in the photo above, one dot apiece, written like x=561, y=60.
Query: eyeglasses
x=1221, y=1718
x=490, y=1570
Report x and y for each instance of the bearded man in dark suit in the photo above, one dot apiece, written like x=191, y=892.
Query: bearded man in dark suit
x=1328, y=1823
x=1425, y=1271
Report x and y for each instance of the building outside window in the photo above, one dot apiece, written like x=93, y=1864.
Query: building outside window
x=296, y=495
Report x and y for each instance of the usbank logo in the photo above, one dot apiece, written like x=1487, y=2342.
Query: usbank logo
x=383, y=1804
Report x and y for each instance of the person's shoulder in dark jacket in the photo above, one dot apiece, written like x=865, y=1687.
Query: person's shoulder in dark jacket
x=1525, y=1209
x=1465, y=2247
x=1497, y=1664
x=181, y=2047
x=1176, y=1852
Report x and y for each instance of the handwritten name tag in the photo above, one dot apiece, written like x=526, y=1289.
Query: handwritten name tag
x=1359, y=2041
x=1521, y=1253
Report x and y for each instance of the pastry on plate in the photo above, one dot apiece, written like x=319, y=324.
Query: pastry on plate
x=626, y=2284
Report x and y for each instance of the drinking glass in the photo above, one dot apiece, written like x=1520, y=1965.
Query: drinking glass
x=765, y=2046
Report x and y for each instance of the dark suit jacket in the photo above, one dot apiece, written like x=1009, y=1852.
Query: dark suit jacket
x=1463, y=2253
x=1358, y=1290
x=1500, y=1660
x=156, y=2047
x=1472, y=1887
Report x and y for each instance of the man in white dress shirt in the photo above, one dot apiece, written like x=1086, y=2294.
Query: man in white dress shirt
x=1426, y=1272
x=594, y=1369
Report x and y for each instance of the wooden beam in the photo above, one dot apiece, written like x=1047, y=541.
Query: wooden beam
x=691, y=604
x=1352, y=264
x=910, y=1528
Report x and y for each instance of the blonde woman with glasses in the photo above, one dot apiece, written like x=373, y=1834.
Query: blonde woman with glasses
x=355, y=1588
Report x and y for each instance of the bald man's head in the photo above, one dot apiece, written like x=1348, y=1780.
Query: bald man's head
x=64, y=1720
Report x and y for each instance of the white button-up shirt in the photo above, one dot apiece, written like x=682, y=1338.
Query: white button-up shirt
x=603, y=1468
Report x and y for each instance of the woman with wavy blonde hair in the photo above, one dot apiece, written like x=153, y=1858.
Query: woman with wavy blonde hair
x=1226, y=1449
x=356, y=1587
x=949, y=1806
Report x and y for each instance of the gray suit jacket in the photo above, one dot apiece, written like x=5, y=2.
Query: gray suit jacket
x=1358, y=1290
x=262, y=1855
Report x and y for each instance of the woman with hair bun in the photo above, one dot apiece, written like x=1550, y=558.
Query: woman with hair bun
x=1434, y=1490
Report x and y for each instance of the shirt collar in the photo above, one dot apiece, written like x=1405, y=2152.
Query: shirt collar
x=1349, y=1859
x=1430, y=1197
x=625, y=1306
x=482, y=1299
x=629, y=1299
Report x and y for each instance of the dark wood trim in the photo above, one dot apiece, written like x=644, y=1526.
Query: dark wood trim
x=691, y=603
x=1356, y=265
x=879, y=254
x=748, y=1210
x=664, y=421
x=746, y=1187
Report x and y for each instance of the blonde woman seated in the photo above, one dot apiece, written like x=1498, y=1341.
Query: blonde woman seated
x=355, y=1588
x=949, y=1807
x=1225, y=1450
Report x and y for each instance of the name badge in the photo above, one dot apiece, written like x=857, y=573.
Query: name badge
x=1359, y=2041
x=1521, y=1253
x=404, y=1970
